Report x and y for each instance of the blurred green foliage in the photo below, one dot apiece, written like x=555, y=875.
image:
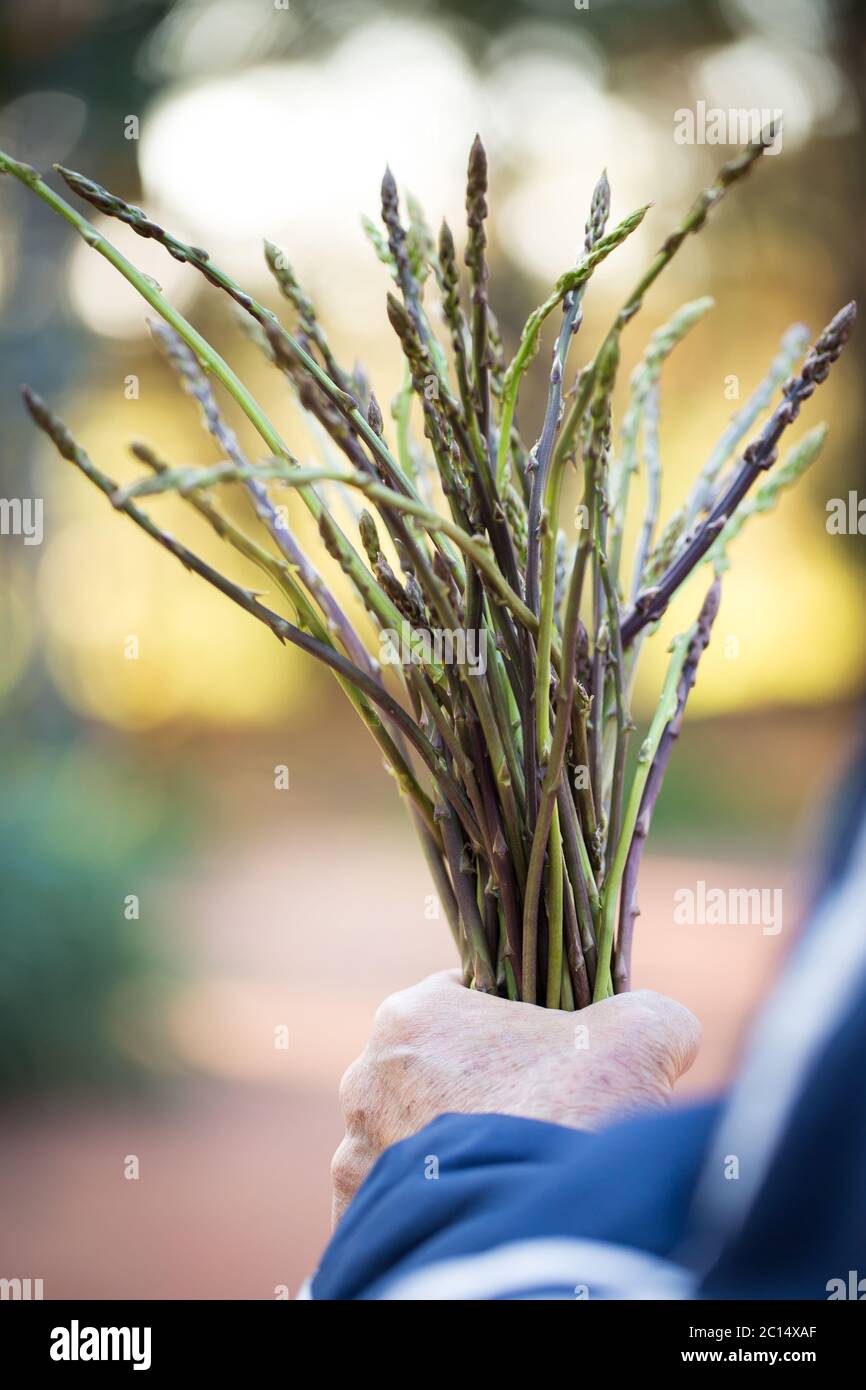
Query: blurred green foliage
x=79, y=983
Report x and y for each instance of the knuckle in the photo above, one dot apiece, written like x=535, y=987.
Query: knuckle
x=394, y=1015
x=638, y=1069
x=657, y=1065
x=363, y=1095
x=341, y=1167
x=390, y=1010
x=348, y=1170
x=353, y=1088
x=668, y=1036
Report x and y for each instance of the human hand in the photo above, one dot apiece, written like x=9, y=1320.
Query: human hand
x=439, y=1047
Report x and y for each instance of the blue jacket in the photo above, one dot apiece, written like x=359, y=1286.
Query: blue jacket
x=759, y=1195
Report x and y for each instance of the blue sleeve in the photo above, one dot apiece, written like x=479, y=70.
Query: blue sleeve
x=467, y=1184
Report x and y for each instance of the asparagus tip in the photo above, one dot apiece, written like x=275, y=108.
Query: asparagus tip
x=374, y=416
x=35, y=405
x=389, y=185
x=478, y=160
x=834, y=337
x=49, y=423
x=76, y=181
x=847, y=315
x=397, y=316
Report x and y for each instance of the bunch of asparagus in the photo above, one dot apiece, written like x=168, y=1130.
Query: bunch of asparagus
x=530, y=798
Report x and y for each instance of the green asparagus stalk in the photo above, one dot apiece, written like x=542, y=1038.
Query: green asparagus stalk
x=514, y=763
x=567, y=284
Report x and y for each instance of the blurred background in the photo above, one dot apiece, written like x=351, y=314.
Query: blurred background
x=165, y=909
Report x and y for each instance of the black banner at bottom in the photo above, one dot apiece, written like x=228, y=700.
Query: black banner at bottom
x=82, y=1338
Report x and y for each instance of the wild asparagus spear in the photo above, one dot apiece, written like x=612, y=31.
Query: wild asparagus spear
x=285, y=631
x=629, y=910
x=759, y=456
x=538, y=828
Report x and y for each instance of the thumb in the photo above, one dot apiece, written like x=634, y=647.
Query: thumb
x=665, y=1034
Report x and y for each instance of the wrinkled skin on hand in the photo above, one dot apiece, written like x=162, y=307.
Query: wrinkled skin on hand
x=439, y=1047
